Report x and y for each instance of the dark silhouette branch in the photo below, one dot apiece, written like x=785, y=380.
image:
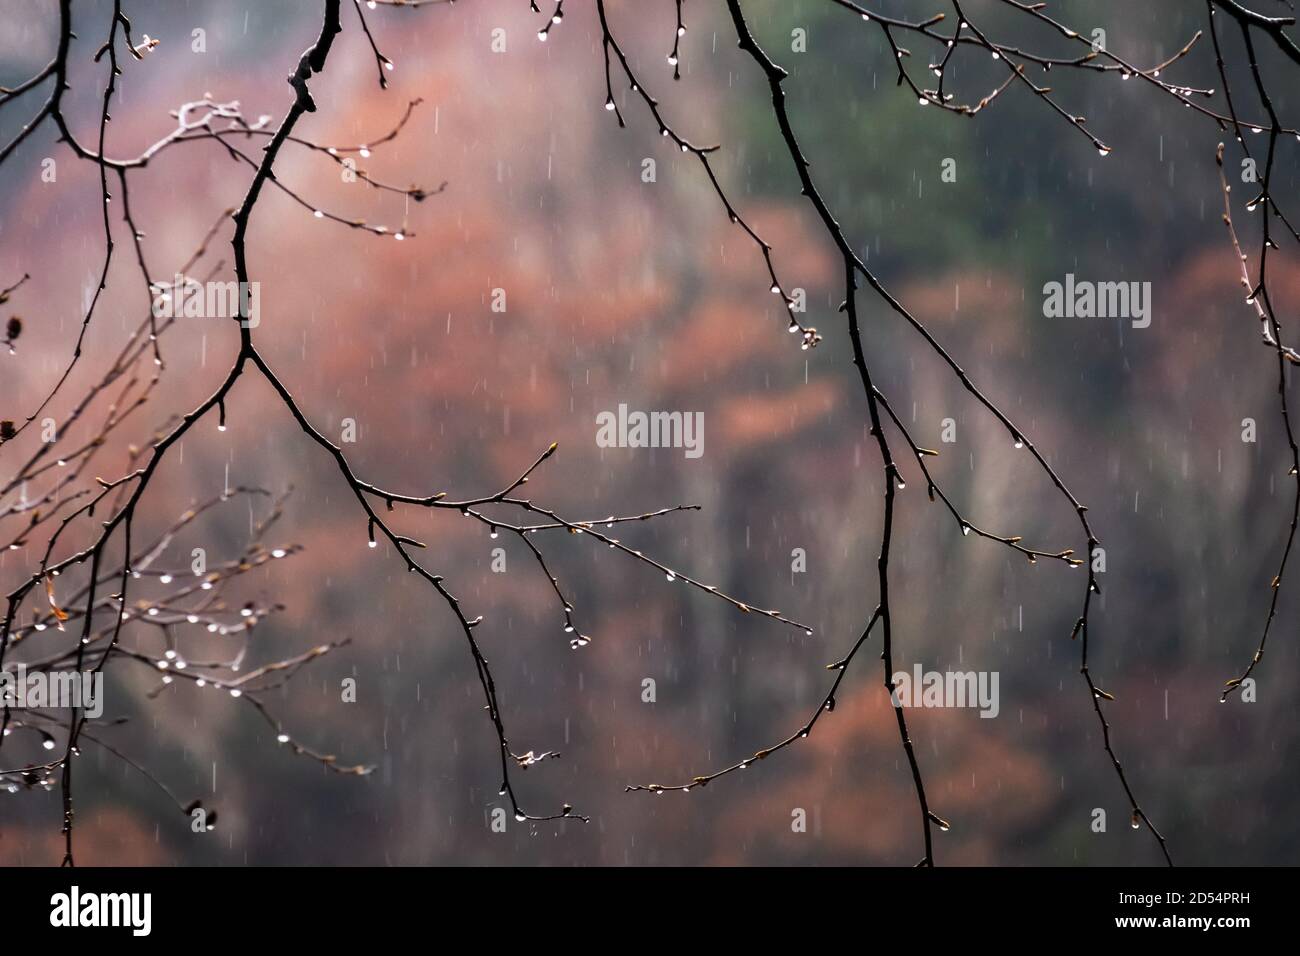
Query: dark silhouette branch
x=196, y=122
x=855, y=267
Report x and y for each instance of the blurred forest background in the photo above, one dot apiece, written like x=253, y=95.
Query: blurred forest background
x=621, y=291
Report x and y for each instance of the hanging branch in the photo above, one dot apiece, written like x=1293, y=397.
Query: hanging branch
x=197, y=121
x=855, y=267
x=1258, y=295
